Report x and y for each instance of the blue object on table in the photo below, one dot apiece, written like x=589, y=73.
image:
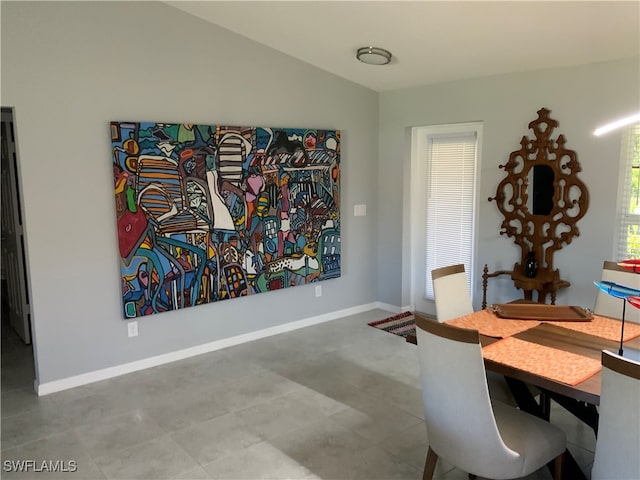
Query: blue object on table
x=615, y=290
x=622, y=292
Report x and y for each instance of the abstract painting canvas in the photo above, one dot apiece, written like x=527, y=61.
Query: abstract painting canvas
x=208, y=212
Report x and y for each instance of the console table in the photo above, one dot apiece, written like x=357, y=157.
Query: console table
x=543, y=286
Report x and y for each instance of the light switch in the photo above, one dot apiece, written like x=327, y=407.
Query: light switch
x=132, y=329
x=360, y=210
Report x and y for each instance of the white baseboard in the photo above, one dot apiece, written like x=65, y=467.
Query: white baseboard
x=393, y=308
x=106, y=373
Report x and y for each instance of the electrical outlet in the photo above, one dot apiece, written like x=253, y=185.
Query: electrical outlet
x=132, y=328
x=318, y=290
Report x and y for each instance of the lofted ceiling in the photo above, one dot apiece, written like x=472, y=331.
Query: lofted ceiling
x=433, y=41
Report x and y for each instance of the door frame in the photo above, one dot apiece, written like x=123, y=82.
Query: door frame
x=418, y=202
x=9, y=114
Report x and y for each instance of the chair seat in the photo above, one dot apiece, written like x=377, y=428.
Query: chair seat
x=524, y=433
x=533, y=442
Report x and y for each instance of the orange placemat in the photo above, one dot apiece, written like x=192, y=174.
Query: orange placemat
x=547, y=362
x=603, y=327
x=487, y=323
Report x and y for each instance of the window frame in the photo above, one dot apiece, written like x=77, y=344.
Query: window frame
x=421, y=139
x=625, y=218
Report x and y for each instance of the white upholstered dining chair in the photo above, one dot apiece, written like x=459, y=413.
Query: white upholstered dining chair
x=618, y=444
x=464, y=427
x=453, y=299
x=451, y=292
x=610, y=306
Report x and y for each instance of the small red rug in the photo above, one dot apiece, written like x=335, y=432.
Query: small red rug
x=402, y=324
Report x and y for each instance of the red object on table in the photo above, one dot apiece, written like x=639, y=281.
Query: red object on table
x=635, y=301
x=632, y=264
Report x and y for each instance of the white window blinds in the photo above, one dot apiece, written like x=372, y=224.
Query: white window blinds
x=451, y=180
x=628, y=245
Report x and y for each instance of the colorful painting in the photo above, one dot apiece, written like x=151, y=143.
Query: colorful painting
x=207, y=212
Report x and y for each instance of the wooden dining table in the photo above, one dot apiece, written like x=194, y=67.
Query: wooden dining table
x=582, y=398
x=582, y=344
x=551, y=335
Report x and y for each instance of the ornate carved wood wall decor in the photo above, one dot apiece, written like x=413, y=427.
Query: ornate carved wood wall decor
x=541, y=199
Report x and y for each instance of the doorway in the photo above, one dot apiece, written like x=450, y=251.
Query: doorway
x=17, y=351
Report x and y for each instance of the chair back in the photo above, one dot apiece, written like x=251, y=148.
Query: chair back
x=610, y=306
x=451, y=292
x=618, y=444
x=461, y=426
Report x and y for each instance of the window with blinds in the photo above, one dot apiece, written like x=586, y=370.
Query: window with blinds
x=628, y=244
x=450, y=212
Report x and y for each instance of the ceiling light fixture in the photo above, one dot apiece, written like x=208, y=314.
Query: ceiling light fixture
x=373, y=55
x=617, y=124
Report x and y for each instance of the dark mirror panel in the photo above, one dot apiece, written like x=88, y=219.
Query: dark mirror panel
x=543, y=190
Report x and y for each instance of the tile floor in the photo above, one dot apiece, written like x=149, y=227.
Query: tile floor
x=340, y=400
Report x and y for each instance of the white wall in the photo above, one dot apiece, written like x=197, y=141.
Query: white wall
x=580, y=98
x=71, y=68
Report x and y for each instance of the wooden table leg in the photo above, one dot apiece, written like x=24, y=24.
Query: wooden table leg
x=584, y=411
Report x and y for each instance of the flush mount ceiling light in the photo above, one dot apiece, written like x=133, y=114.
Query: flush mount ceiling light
x=373, y=55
